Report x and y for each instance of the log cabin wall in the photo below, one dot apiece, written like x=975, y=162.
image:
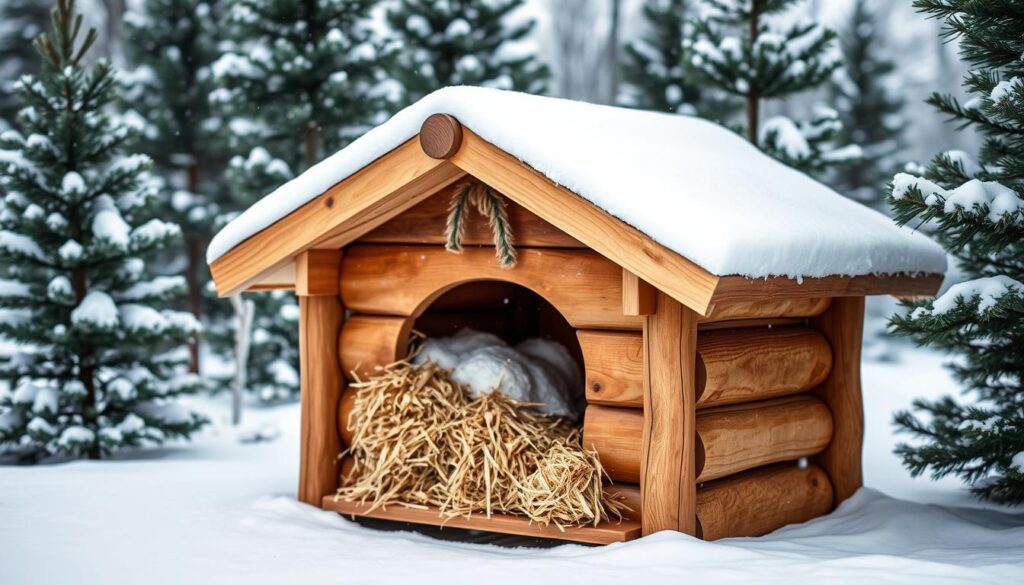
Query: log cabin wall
x=763, y=375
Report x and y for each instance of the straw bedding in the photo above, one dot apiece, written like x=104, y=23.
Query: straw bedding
x=420, y=440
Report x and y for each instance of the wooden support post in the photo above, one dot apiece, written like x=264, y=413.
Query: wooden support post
x=316, y=273
x=638, y=297
x=843, y=326
x=320, y=320
x=668, y=466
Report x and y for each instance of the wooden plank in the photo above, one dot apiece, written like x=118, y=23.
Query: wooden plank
x=280, y=278
x=321, y=385
x=343, y=213
x=403, y=280
x=367, y=342
x=751, y=324
x=729, y=439
x=614, y=367
x=843, y=325
x=604, y=533
x=316, y=273
x=740, y=288
x=425, y=224
x=761, y=501
x=766, y=308
x=638, y=297
x=733, y=366
x=668, y=451
x=621, y=243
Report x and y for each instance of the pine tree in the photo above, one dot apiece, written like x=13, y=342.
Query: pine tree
x=656, y=74
x=172, y=43
x=98, y=363
x=301, y=79
x=461, y=42
x=977, y=211
x=737, y=49
x=20, y=22
x=869, y=110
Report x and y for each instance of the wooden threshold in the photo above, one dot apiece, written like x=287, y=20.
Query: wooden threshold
x=604, y=533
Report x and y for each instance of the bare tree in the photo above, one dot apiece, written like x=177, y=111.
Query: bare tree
x=614, y=31
x=577, y=49
x=112, y=28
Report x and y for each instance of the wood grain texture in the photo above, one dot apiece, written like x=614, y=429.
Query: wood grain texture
x=403, y=280
x=668, y=451
x=729, y=439
x=638, y=297
x=345, y=406
x=628, y=494
x=321, y=385
x=369, y=341
x=614, y=239
x=613, y=367
x=316, y=273
x=604, y=533
x=740, y=288
x=766, y=308
x=345, y=470
x=843, y=326
x=742, y=365
x=440, y=136
x=733, y=366
x=343, y=213
x=743, y=436
x=761, y=501
x=425, y=224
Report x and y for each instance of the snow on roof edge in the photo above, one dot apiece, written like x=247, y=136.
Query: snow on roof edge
x=693, y=186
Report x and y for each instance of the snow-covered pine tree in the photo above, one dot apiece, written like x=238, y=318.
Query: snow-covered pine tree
x=300, y=80
x=98, y=362
x=655, y=73
x=869, y=110
x=976, y=210
x=20, y=22
x=462, y=42
x=172, y=44
x=738, y=48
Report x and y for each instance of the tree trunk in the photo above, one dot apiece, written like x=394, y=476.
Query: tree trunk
x=194, y=260
x=312, y=143
x=244, y=311
x=113, y=28
x=754, y=94
x=613, y=51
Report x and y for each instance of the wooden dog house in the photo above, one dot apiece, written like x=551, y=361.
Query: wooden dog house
x=721, y=404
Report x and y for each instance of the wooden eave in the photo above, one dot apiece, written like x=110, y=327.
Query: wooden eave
x=406, y=176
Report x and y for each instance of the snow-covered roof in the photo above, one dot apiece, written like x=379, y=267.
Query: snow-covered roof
x=691, y=185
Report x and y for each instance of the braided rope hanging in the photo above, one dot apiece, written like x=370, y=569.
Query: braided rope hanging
x=489, y=204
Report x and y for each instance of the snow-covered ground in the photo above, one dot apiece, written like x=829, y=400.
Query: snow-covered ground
x=220, y=511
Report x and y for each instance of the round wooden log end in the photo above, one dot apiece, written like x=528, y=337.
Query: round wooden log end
x=440, y=136
x=345, y=406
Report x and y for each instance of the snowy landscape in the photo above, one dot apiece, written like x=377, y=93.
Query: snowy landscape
x=158, y=158
x=222, y=510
